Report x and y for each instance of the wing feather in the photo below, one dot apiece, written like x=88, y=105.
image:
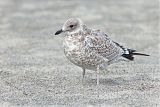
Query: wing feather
x=101, y=44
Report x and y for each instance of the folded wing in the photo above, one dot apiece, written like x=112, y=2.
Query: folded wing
x=101, y=44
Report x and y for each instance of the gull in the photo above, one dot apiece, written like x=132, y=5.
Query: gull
x=91, y=48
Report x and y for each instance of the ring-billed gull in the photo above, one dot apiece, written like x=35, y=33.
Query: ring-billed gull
x=92, y=49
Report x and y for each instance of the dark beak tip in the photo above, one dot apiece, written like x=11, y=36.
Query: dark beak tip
x=58, y=32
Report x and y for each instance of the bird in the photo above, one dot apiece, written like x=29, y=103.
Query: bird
x=91, y=48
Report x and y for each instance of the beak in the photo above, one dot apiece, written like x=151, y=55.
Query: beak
x=58, y=32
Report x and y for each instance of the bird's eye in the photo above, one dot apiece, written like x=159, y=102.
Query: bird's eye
x=71, y=26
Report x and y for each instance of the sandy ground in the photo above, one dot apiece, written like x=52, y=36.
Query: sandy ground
x=34, y=71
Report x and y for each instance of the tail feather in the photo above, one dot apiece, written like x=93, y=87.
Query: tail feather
x=131, y=54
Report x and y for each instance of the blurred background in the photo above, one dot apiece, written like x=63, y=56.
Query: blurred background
x=34, y=70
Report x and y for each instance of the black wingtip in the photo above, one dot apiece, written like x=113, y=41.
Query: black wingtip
x=128, y=56
x=131, y=54
x=139, y=54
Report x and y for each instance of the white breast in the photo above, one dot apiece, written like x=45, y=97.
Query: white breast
x=69, y=45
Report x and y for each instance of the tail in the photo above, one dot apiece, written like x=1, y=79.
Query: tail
x=129, y=54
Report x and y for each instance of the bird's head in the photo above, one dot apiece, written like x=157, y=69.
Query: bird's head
x=71, y=25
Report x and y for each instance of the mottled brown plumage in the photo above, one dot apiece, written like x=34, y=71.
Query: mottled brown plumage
x=89, y=48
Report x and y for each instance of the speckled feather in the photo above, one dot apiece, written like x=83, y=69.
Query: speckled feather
x=92, y=49
x=89, y=48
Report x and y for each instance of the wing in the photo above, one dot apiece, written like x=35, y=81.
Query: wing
x=101, y=44
x=126, y=50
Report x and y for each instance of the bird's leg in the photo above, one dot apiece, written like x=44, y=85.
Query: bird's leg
x=97, y=75
x=83, y=74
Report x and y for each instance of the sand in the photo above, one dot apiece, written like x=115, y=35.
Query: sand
x=34, y=71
